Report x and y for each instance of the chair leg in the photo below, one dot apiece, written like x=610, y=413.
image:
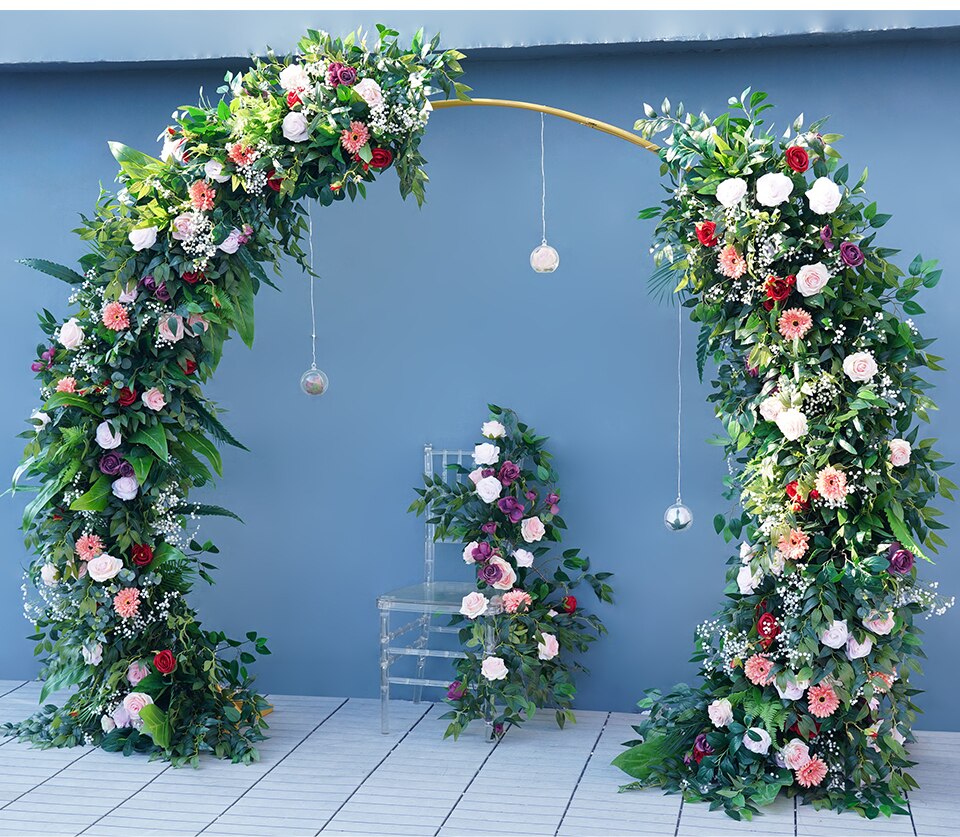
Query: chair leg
x=384, y=672
x=421, y=660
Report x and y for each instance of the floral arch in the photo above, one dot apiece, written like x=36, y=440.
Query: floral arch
x=806, y=669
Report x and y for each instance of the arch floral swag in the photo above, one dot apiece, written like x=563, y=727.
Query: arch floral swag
x=806, y=669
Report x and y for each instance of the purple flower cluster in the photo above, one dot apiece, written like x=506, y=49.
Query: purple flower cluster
x=850, y=254
x=512, y=508
x=826, y=236
x=901, y=559
x=45, y=362
x=553, y=501
x=338, y=74
x=113, y=465
x=160, y=291
x=456, y=690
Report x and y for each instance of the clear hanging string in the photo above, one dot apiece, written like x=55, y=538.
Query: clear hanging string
x=544, y=258
x=679, y=392
x=313, y=310
x=543, y=186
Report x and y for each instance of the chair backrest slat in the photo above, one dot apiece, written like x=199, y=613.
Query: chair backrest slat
x=432, y=457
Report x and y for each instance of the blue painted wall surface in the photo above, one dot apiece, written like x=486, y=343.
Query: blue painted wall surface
x=426, y=315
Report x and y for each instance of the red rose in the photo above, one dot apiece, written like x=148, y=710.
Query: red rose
x=705, y=233
x=165, y=662
x=189, y=366
x=569, y=604
x=293, y=99
x=768, y=304
x=767, y=628
x=274, y=182
x=127, y=396
x=192, y=277
x=799, y=503
x=798, y=159
x=779, y=289
x=381, y=158
x=141, y=554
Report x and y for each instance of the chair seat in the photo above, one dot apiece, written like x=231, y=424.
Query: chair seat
x=435, y=597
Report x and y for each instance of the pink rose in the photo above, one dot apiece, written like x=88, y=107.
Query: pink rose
x=197, y=320
x=532, y=529
x=548, y=648
x=120, y=717
x=154, y=399
x=183, y=227
x=171, y=328
x=133, y=703
x=494, y=668
x=468, y=553
x=860, y=366
x=473, y=605
x=523, y=558
x=136, y=672
x=476, y=475
x=795, y=754
x=812, y=278
x=508, y=576
x=770, y=408
x=232, y=242
x=899, y=452
x=880, y=625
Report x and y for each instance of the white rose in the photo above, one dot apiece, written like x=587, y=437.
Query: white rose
x=824, y=196
x=858, y=650
x=231, y=243
x=368, y=90
x=295, y=126
x=494, y=668
x=172, y=148
x=898, y=736
x=489, y=489
x=548, y=648
x=860, y=366
x=476, y=475
x=899, y=452
x=812, y=278
x=107, y=724
x=468, y=552
x=747, y=581
x=486, y=454
x=104, y=567
x=770, y=408
x=773, y=189
x=493, y=430
x=761, y=744
x=294, y=77
x=49, y=574
x=795, y=754
x=125, y=488
x=731, y=191
x=143, y=238
x=836, y=635
x=792, y=424
x=71, y=335
x=42, y=417
x=720, y=712
x=793, y=690
x=746, y=552
x=92, y=654
x=106, y=438
x=473, y=605
x=213, y=169
x=523, y=557
x=776, y=562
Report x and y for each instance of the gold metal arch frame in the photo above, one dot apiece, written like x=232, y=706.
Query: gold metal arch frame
x=596, y=124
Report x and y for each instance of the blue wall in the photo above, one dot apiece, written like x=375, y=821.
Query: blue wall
x=426, y=315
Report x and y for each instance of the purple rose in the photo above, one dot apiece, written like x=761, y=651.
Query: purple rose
x=531, y=496
x=48, y=355
x=489, y=528
x=851, y=255
x=126, y=469
x=509, y=473
x=701, y=748
x=159, y=291
x=553, y=500
x=900, y=558
x=162, y=293
x=826, y=236
x=490, y=573
x=482, y=552
x=512, y=508
x=149, y=283
x=456, y=690
x=487, y=472
x=36, y=366
x=346, y=75
x=110, y=464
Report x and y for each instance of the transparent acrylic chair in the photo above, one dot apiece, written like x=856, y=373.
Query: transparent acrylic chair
x=424, y=603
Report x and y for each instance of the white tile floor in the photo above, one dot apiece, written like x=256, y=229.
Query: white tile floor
x=326, y=768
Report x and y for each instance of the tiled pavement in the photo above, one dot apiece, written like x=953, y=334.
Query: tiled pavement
x=326, y=768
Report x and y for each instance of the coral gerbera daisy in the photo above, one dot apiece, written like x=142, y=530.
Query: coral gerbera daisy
x=757, y=669
x=115, y=317
x=127, y=602
x=242, y=155
x=832, y=485
x=794, y=544
x=822, y=701
x=88, y=547
x=732, y=264
x=67, y=384
x=516, y=600
x=812, y=773
x=354, y=137
x=202, y=195
x=794, y=323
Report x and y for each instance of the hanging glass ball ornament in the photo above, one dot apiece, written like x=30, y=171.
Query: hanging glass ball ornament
x=678, y=517
x=314, y=381
x=544, y=259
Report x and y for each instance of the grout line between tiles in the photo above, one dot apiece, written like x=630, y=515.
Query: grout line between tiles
x=583, y=770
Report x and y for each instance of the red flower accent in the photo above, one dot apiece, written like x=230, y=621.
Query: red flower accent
x=127, y=396
x=779, y=289
x=293, y=99
x=164, y=662
x=767, y=628
x=189, y=366
x=274, y=182
x=569, y=604
x=191, y=277
x=706, y=233
x=797, y=159
x=381, y=158
x=141, y=554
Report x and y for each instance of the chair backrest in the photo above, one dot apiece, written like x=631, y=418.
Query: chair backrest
x=436, y=461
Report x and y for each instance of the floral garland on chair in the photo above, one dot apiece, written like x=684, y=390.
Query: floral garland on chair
x=806, y=669
x=175, y=261
x=506, y=510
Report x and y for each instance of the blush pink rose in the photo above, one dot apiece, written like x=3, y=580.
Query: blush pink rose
x=532, y=529
x=171, y=328
x=899, y=452
x=548, y=648
x=860, y=366
x=133, y=703
x=197, y=320
x=154, y=399
x=879, y=624
x=795, y=754
x=136, y=672
x=468, y=553
x=473, y=605
x=508, y=576
x=523, y=557
x=494, y=668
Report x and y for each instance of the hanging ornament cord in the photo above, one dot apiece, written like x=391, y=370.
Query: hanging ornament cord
x=679, y=390
x=543, y=187
x=313, y=310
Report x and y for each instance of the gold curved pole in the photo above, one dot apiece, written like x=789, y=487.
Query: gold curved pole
x=596, y=124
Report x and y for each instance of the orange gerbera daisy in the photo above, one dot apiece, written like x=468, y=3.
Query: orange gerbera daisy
x=115, y=316
x=812, y=773
x=794, y=323
x=354, y=137
x=127, y=602
x=242, y=155
x=757, y=669
x=732, y=264
x=822, y=701
x=794, y=544
x=832, y=484
x=202, y=195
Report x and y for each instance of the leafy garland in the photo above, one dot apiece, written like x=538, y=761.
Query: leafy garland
x=806, y=668
x=125, y=432
x=506, y=510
